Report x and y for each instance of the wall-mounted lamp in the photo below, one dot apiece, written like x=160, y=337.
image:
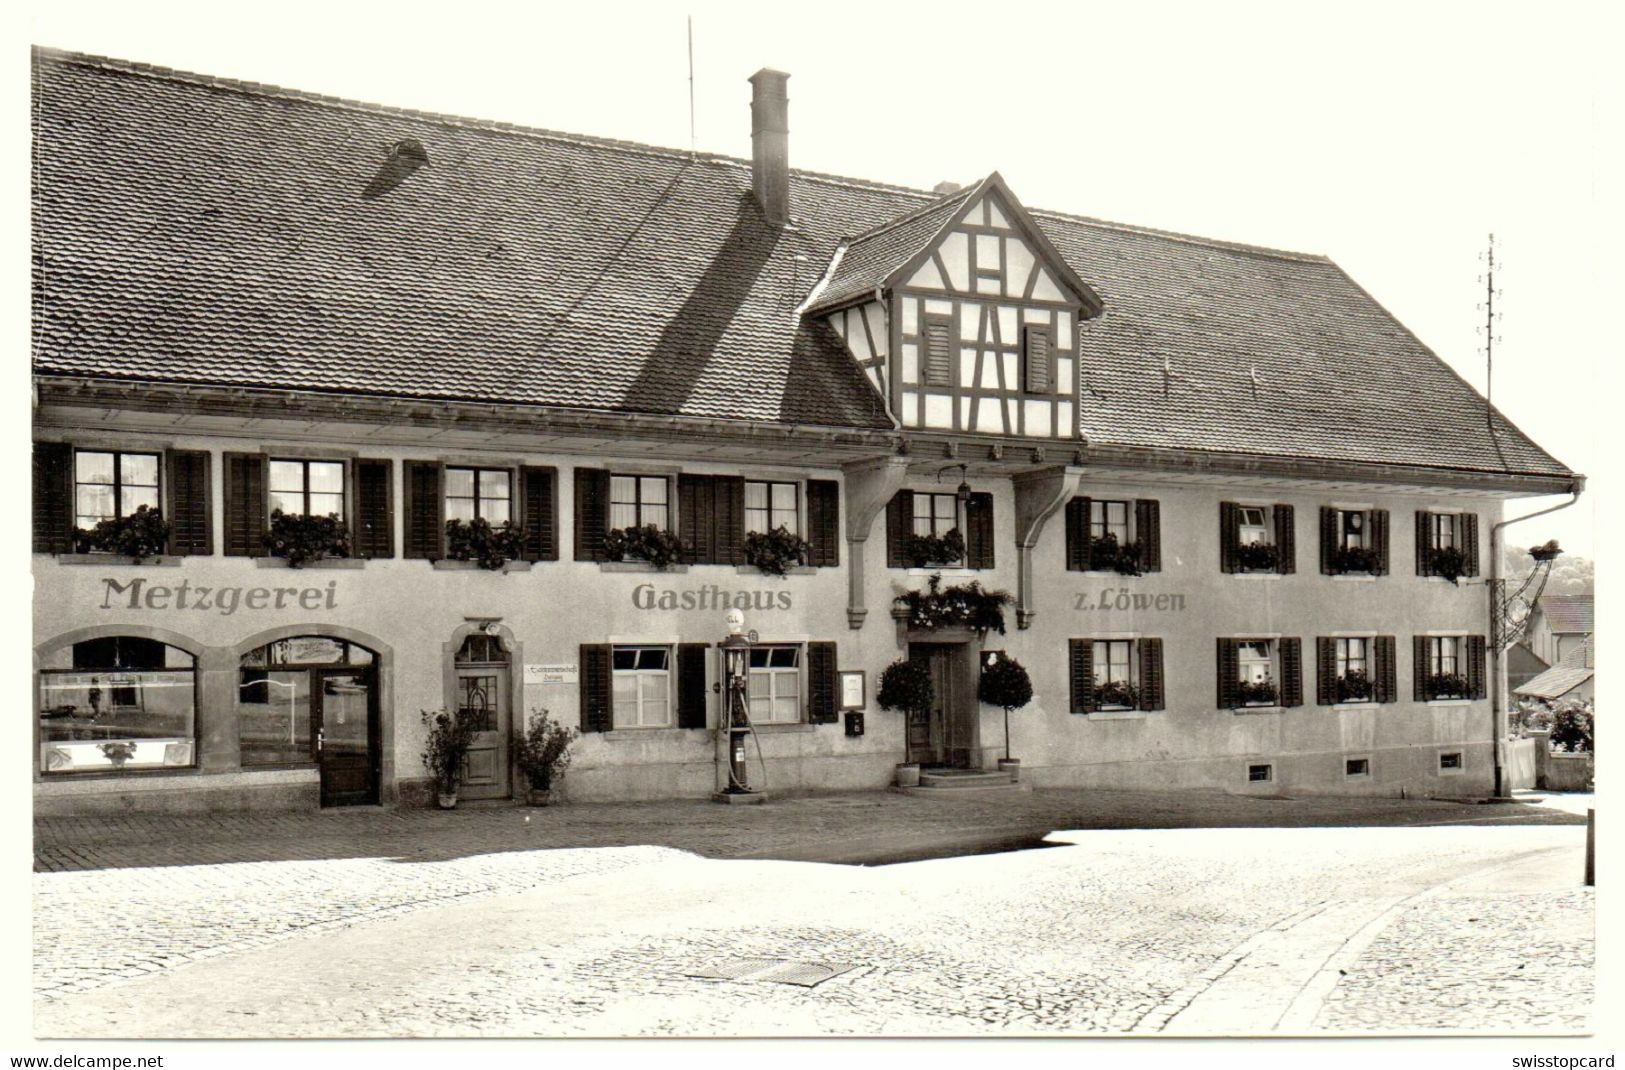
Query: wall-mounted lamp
x=963, y=491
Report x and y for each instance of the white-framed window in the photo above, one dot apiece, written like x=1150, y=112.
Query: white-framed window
x=1354, y=681
x=1109, y=518
x=1446, y=530
x=479, y=493
x=935, y=514
x=1255, y=664
x=641, y=686
x=1254, y=525
x=770, y=505
x=1353, y=529
x=1113, y=664
x=108, y=484
x=307, y=488
x=775, y=684
x=639, y=501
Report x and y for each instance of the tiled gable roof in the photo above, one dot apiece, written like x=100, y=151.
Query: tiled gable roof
x=866, y=261
x=1554, y=683
x=1569, y=613
x=197, y=230
x=1581, y=656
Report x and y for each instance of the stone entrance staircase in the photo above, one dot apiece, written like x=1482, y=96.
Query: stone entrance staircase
x=966, y=782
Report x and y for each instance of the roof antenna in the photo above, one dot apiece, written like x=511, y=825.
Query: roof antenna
x=691, y=87
x=1491, y=318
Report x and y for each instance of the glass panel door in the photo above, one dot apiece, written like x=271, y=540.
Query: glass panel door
x=346, y=736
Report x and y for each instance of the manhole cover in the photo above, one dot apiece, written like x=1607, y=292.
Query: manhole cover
x=774, y=971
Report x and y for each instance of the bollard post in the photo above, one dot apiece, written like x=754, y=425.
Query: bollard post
x=1591, y=847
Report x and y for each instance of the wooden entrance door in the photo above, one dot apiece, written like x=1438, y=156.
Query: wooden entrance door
x=482, y=697
x=344, y=707
x=938, y=737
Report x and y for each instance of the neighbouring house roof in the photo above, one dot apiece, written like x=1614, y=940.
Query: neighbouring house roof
x=1569, y=613
x=1582, y=656
x=190, y=229
x=1554, y=683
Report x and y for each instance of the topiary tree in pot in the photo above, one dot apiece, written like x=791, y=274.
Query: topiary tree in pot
x=906, y=686
x=544, y=755
x=1005, y=684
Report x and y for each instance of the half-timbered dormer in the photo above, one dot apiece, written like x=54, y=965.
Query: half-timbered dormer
x=964, y=316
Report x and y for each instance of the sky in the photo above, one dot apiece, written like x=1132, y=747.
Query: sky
x=1394, y=138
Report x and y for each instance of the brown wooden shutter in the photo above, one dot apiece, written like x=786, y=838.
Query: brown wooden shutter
x=1469, y=541
x=374, y=508
x=1151, y=685
x=1037, y=352
x=1328, y=538
x=596, y=688
x=1291, y=671
x=591, y=513
x=695, y=519
x=190, y=529
x=823, y=684
x=1475, y=666
x=899, y=526
x=1229, y=537
x=823, y=523
x=53, y=498
x=244, y=512
x=1379, y=540
x=1077, y=535
x=1286, y=539
x=425, y=510
x=1148, y=533
x=1229, y=663
x=1081, y=661
x=539, y=513
x=1419, y=668
x=1386, y=676
x=1325, y=671
x=693, y=697
x=979, y=530
x=728, y=497
x=938, y=356
x=1424, y=541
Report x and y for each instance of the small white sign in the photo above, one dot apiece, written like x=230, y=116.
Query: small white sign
x=552, y=674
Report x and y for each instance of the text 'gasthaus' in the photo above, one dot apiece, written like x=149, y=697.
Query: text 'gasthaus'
x=141, y=594
x=644, y=596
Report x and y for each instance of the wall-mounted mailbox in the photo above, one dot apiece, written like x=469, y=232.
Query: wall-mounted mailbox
x=854, y=723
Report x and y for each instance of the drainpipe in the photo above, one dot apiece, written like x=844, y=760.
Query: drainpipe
x=1498, y=689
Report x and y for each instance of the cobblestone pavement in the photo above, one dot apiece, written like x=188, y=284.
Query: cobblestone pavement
x=1118, y=933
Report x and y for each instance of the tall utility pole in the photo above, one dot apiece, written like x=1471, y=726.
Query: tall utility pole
x=1489, y=335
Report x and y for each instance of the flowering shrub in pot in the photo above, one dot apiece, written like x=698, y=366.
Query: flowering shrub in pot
x=657, y=546
x=1258, y=556
x=1257, y=693
x=449, y=738
x=140, y=535
x=961, y=605
x=492, y=546
x=299, y=538
x=1354, y=686
x=1445, y=685
x=544, y=755
x=776, y=552
x=1116, y=693
x=1346, y=559
x=922, y=551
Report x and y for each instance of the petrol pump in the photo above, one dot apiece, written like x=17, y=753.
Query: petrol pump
x=735, y=724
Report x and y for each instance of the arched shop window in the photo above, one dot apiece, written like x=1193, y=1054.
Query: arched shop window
x=118, y=703
x=286, y=688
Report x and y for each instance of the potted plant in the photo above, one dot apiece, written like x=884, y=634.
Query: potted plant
x=1106, y=554
x=1005, y=684
x=1546, y=551
x=925, y=550
x=1256, y=693
x=1354, y=686
x=138, y=536
x=1346, y=559
x=491, y=545
x=1445, y=685
x=1258, y=557
x=961, y=605
x=655, y=545
x=544, y=754
x=299, y=538
x=445, y=747
x=1449, y=562
x=118, y=753
x=1116, y=694
x=906, y=686
x=776, y=552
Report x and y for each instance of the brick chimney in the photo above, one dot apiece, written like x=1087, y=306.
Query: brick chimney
x=770, y=143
